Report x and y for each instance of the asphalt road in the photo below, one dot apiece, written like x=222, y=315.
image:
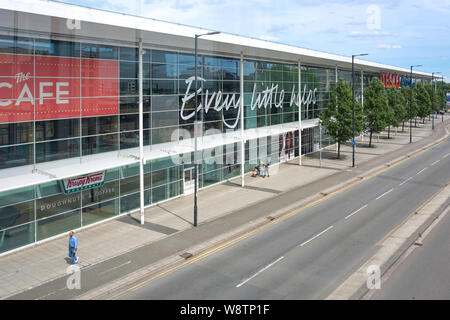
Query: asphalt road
x=308, y=255
x=425, y=272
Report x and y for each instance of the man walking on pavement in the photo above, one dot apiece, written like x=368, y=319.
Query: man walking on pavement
x=73, y=247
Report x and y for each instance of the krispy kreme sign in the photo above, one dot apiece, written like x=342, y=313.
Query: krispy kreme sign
x=84, y=182
x=43, y=88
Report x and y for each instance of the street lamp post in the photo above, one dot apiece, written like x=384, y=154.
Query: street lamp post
x=196, y=126
x=353, y=101
x=410, y=103
x=432, y=99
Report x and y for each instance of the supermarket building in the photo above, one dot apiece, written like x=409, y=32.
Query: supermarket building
x=86, y=137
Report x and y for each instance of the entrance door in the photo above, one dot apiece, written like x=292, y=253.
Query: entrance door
x=189, y=182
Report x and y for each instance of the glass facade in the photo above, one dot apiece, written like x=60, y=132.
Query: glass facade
x=65, y=95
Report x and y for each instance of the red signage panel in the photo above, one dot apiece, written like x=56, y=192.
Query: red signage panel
x=45, y=88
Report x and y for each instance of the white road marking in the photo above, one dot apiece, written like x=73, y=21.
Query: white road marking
x=317, y=235
x=262, y=270
x=435, y=162
x=405, y=181
x=351, y=214
x=123, y=264
x=384, y=193
x=446, y=155
x=422, y=170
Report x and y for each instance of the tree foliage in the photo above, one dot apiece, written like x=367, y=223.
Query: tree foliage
x=376, y=107
x=337, y=116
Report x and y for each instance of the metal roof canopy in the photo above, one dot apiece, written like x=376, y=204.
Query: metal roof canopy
x=50, y=19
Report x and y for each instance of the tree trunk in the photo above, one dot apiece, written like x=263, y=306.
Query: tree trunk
x=339, y=150
x=389, y=132
x=415, y=122
x=423, y=121
x=370, y=140
x=403, y=126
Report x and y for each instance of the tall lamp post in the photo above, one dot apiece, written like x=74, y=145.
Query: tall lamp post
x=353, y=101
x=196, y=126
x=442, y=78
x=410, y=103
x=434, y=92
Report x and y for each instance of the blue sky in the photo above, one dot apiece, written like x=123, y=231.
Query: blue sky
x=400, y=33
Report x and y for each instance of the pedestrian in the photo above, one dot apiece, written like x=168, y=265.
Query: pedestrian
x=263, y=169
x=73, y=247
x=266, y=165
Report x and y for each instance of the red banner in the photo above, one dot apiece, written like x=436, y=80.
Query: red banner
x=44, y=88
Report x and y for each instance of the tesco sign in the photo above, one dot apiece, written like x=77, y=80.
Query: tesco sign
x=41, y=87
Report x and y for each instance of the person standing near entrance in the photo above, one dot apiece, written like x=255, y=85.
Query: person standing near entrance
x=73, y=247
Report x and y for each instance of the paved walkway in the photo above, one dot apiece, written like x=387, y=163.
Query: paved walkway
x=34, y=266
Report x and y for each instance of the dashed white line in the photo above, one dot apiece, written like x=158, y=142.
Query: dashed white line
x=384, y=194
x=317, y=235
x=446, y=155
x=405, y=181
x=262, y=270
x=422, y=170
x=435, y=162
x=123, y=264
x=351, y=214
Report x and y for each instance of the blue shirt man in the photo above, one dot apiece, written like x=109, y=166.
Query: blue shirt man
x=73, y=247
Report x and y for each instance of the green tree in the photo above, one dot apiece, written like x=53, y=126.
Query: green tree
x=404, y=93
x=423, y=101
x=375, y=107
x=337, y=116
x=397, y=111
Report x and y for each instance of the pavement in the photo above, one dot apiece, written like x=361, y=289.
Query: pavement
x=39, y=272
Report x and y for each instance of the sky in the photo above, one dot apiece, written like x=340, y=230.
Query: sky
x=400, y=33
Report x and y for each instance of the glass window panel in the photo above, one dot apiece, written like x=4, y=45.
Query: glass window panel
x=164, y=71
x=57, y=129
x=58, y=224
x=99, y=125
x=129, y=70
x=160, y=193
x=164, y=57
x=129, y=140
x=16, y=133
x=164, y=103
x=99, y=51
x=50, y=206
x=162, y=135
x=159, y=177
x=99, y=144
x=55, y=150
x=162, y=163
x=129, y=122
x=9, y=44
x=16, y=214
x=130, y=202
x=100, y=211
x=164, y=86
x=129, y=185
x=20, y=155
x=47, y=189
x=57, y=48
x=130, y=170
x=107, y=191
x=131, y=104
x=16, y=237
x=17, y=195
x=127, y=53
x=164, y=119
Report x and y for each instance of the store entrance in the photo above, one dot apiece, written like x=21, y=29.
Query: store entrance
x=189, y=182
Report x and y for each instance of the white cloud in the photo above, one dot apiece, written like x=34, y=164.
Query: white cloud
x=389, y=46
